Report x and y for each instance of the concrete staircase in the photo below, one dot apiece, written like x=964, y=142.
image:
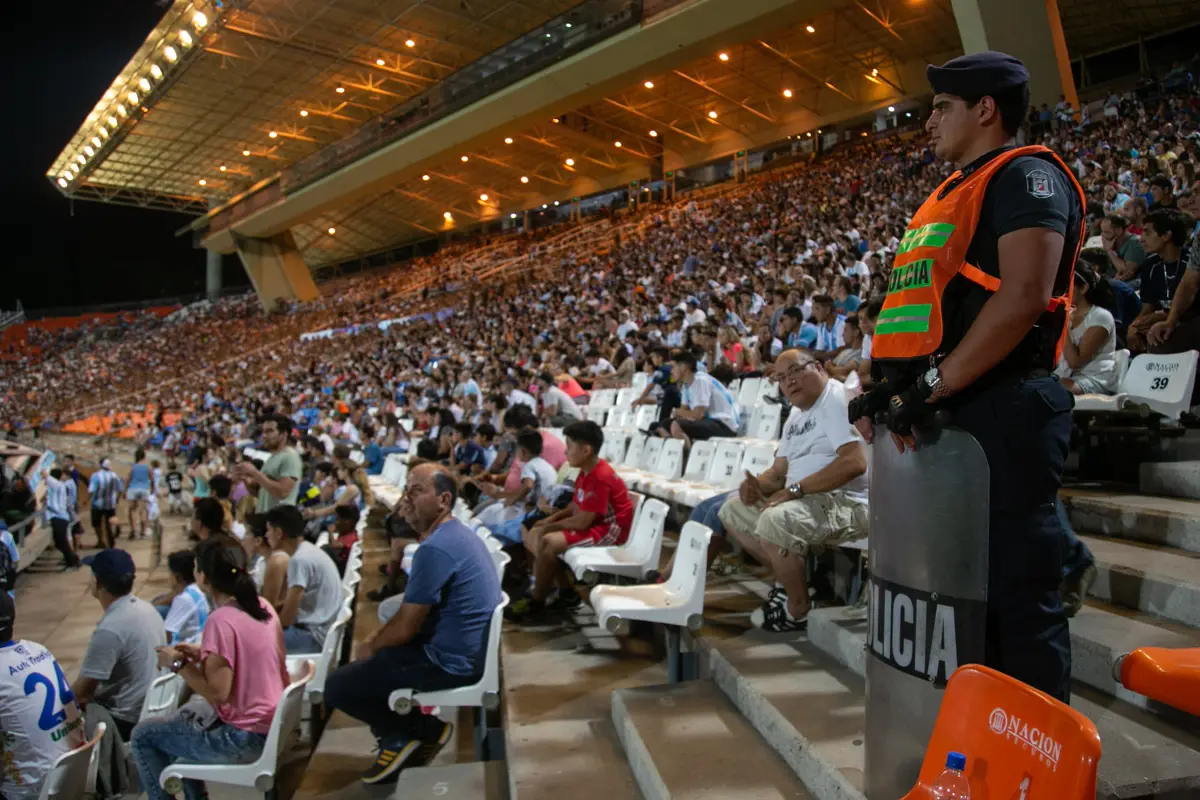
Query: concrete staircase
x=798, y=730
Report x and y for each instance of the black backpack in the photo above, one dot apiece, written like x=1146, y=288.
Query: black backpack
x=8, y=569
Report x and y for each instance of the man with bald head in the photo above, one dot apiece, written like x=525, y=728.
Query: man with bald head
x=815, y=493
x=436, y=640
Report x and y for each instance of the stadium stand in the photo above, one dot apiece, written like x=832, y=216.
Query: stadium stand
x=379, y=374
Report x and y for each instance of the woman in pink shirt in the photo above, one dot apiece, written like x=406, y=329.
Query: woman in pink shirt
x=238, y=668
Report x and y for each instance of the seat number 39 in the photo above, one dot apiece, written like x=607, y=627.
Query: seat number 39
x=1160, y=383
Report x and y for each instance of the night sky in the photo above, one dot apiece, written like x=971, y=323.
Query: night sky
x=59, y=62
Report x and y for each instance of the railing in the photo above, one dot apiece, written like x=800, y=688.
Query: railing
x=11, y=317
x=580, y=28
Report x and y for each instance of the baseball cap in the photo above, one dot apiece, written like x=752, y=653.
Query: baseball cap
x=110, y=565
x=977, y=74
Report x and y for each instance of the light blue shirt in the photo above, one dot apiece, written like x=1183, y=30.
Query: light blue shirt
x=105, y=488
x=56, y=499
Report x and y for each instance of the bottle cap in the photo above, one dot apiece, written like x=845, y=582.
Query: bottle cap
x=956, y=761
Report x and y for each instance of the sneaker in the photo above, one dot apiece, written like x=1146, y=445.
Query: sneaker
x=388, y=762
x=565, y=600
x=1074, y=589
x=776, y=619
x=432, y=743
x=776, y=597
x=525, y=610
x=388, y=590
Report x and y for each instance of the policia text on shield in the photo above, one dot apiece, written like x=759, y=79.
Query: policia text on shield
x=971, y=331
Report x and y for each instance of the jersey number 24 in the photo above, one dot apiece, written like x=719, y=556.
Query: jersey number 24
x=50, y=718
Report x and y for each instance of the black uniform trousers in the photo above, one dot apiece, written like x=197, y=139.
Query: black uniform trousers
x=1024, y=428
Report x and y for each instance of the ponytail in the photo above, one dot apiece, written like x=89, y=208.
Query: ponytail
x=224, y=570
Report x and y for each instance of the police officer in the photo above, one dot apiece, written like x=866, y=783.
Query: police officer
x=974, y=318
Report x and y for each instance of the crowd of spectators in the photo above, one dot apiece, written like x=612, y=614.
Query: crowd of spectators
x=781, y=275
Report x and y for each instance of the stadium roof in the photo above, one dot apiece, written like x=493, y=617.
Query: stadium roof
x=225, y=95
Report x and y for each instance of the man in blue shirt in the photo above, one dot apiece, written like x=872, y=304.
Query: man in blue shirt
x=794, y=331
x=105, y=489
x=467, y=458
x=436, y=640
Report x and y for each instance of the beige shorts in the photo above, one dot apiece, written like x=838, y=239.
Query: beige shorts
x=824, y=519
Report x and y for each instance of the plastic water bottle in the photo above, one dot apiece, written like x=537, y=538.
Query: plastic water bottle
x=952, y=783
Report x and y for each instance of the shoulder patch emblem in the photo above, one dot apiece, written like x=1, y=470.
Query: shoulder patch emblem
x=1038, y=183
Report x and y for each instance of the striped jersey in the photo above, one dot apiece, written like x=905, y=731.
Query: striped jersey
x=105, y=488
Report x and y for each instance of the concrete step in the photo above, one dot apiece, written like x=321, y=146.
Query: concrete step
x=1144, y=518
x=1170, y=478
x=1100, y=634
x=1161, y=581
x=1144, y=756
x=807, y=707
x=480, y=780
x=687, y=742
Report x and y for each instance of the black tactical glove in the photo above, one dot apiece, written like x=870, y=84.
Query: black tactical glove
x=869, y=404
x=909, y=408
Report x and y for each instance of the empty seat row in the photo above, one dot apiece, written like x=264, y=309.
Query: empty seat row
x=652, y=465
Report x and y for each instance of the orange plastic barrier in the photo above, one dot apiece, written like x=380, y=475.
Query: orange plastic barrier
x=1170, y=676
x=1019, y=742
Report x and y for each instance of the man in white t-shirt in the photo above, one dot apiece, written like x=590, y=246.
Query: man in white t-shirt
x=39, y=718
x=708, y=410
x=515, y=396
x=558, y=409
x=597, y=364
x=814, y=494
x=695, y=315
x=314, y=588
x=626, y=327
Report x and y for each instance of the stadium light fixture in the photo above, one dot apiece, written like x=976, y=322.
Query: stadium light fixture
x=409, y=43
x=304, y=112
x=568, y=24
x=133, y=98
x=87, y=148
x=555, y=120
x=723, y=56
x=121, y=110
x=332, y=231
x=653, y=134
x=465, y=159
x=545, y=205
x=810, y=134
x=81, y=159
x=908, y=113
x=96, y=141
x=547, y=36
x=508, y=140
x=199, y=20
x=570, y=162
x=787, y=92
x=170, y=54
x=103, y=132
x=223, y=168
x=864, y=133
x=483, y=197
x=424, y=177
x=874, y=73
x=63, y=183
x=156, y=71
x=649, y=84
x=555, y=202
x=185, y=38
x=245, y=152
x=379, y=62
x=340, y=90
x=202, y=182
x=112, y=121
x=712, y=115
x=273, y=134
x=810, y=29
x=144, y=85
x=616, y=144
x=524, y=179
x=447, y=215
x=510, y=216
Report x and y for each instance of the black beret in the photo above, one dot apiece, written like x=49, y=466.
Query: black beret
x=978, y=74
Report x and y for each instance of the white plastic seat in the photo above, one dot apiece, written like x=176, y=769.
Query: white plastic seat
x=723, y=474
x=758, y=458
x=633, y=453
x=698, y=463
x=764, y=423
x=461, y=511
x=620, y=418
x=613, y=450
x=649, y=457
x=73, y=774
x=1164, y=383
x=625, y=398
x=500, y=559
x=667, y=467
x=767, y=391
x=747, y=394
x=162, y=696
x=322, y=539
x=260, y=774
x=407, y=424
x=603, y=398
x=634, y=559
x=596, y=415
x=326, y=661
x=679, y=601
x=644, y=417
x=640, y=381
x=484, y=694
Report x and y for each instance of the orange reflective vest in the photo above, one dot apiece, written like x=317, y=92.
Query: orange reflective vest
x=934, y=250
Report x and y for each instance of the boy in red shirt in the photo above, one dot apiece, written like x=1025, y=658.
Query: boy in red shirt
x=599, y=516
x=343, y=536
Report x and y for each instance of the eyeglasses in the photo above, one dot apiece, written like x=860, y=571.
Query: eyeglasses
x=794, y=371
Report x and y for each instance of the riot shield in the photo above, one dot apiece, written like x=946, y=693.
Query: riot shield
x=928, y=551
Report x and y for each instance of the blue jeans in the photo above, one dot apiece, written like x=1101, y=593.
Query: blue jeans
x=299, y=640
x=705, y=512
x=159, y=742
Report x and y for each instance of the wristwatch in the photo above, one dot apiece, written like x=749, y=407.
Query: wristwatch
x=932, y=380
x=795, y=491
x=177, y=665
